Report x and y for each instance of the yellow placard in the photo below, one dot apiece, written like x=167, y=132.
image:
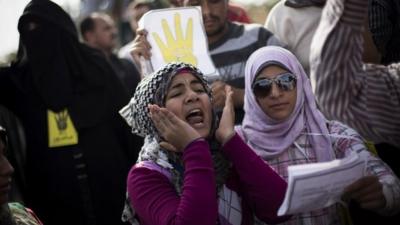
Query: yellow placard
x=180, y=48
x=61, y=130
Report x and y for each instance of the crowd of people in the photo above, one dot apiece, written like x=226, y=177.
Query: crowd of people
x=88, y=138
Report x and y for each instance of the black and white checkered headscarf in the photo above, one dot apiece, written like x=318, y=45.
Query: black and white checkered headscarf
x=152, y=90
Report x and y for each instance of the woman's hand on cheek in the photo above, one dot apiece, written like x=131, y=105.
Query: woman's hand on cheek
x=176, y=132
x=227, y=121
x=367, y=192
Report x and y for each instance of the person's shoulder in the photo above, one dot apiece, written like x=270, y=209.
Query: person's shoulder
x=339, y=129
x=149, y=167
x=281, y=12
x=254, y=28
x=23, y=215
x=249, y=26
x=144, y=176
x=238, y=29
x=278, y=8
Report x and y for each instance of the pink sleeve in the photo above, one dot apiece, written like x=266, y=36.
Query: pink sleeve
x=156, y=202
x=260, y=186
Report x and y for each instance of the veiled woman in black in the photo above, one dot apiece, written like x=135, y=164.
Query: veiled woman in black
x=67, y=98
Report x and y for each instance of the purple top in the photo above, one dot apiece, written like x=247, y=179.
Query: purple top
x=156, y=202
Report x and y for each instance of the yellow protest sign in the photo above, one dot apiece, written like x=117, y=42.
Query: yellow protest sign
x=177, y=35
x=179, y=49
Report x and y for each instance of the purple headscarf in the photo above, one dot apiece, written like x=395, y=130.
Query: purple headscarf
x=268, y=137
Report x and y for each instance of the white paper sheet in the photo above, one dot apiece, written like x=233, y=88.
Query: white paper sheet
x=318, y=185
x=177, y=34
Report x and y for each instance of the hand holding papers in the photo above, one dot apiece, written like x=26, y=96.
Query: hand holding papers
x=177, y=34
x=318, y=185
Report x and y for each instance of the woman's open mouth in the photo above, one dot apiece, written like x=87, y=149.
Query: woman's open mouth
x=195, y=118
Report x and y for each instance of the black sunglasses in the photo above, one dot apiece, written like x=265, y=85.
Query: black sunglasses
x=285, y=81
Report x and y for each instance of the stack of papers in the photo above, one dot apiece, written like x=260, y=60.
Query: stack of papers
x=318, y=185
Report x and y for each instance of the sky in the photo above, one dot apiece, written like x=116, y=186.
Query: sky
x=10, y=11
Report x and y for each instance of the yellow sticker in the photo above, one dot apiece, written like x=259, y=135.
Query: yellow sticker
x=371, y=147
x=61, y=129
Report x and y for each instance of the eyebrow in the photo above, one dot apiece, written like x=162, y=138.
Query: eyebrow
x=195, y=81
x=260, y=78
x=178, y=85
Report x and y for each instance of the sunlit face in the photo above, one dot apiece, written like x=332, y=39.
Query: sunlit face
x=188, y=100
x=6, y=171
x=214, y=15
x=279, y=104
x=105, y=33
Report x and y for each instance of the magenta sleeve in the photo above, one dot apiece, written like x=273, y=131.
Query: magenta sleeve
x=259, y=185
x=156, y=202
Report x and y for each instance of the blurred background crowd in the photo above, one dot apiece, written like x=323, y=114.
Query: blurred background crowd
x=10, y=11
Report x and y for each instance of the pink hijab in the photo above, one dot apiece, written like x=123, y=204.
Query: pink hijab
x=269, y=138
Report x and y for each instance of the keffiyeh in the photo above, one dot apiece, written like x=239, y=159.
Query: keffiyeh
x=152, y=90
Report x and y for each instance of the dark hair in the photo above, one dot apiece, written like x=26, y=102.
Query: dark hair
x=87, y=25
x=304, y=3
x=3, y=135
x=152, y=4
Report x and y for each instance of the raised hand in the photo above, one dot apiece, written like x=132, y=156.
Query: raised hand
x=219, y=94
x=176, y=132
x=366, y=191
x=227, y=122
x=140, y=47
x=179, y=48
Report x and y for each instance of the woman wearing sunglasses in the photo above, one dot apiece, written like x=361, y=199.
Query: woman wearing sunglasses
x=283, y=125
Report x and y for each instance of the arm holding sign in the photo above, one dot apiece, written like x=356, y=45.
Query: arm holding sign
x=140, y=48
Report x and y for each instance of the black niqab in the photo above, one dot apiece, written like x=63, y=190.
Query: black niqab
x=64, y=72
x=80, y=184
